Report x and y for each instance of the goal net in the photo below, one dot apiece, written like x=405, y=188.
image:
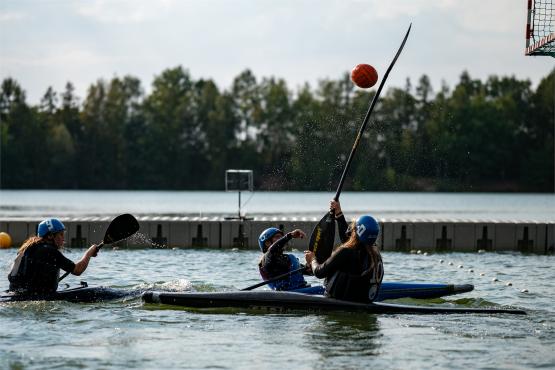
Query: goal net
x=540, y=28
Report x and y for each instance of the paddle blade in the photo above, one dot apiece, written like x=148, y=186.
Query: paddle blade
x=121, y=227
x=322, y=238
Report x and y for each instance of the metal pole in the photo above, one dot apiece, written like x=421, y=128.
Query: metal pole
x=239, y=204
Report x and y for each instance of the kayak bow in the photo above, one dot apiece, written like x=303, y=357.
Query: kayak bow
x=84, y=294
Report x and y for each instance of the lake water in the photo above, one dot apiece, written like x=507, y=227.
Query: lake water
x=127, y=334
x=458, y=206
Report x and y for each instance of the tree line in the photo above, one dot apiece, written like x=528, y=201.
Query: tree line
x=493, y=135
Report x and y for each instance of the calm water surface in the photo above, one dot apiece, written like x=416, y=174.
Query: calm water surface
x=460, y=206
x=126, y=334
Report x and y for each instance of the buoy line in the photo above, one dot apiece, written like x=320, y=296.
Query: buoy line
x=494, y=279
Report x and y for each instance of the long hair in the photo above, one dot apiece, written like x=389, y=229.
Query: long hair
x=32, y=240
x=375, y=258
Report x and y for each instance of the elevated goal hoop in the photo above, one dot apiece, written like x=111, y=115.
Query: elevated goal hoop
x=238, y=180
x=540, y=28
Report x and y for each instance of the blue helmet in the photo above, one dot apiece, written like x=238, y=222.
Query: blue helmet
x=50, y=225
x=367, y=229
x=267, y=235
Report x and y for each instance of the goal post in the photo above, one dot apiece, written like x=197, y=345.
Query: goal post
x=238, y=180
x=540, y=28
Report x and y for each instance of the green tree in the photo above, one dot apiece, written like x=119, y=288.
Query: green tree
x=22, y=163
x=536, y=145
x=172, y=133
x=481, y=135
x=397, y=129
x=59, y=148
x=69, y=116
x=218, y=128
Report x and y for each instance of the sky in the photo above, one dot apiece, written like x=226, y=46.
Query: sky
x=50, y=42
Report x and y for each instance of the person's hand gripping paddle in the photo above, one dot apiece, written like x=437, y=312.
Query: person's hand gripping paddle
x=121, y=227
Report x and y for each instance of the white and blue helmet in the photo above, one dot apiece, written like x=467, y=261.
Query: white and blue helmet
x=50, y=225
x=367, y=229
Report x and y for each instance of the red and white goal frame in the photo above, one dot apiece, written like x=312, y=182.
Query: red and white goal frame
x=540, y=28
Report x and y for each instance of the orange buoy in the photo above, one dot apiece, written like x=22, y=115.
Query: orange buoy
x=5, y=240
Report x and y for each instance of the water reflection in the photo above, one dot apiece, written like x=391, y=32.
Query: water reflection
x=352, y=334
x=130, y=334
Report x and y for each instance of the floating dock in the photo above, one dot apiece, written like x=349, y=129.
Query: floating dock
x=217, y=232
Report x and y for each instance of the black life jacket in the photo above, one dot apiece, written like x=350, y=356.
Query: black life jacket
x=27, y=270
x=19, y=276
x=362, y=287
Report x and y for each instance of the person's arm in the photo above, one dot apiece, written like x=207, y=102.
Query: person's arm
x=278, y=246
x=307, y=269
x=343, y=227
x=335, y=206
x=81, y=265
x=328, y=267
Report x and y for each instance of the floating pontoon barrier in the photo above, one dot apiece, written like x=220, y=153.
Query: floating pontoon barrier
x=217, y=232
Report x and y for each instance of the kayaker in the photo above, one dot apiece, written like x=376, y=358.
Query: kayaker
x=354, y=271
x=36, y=268
x=274, y=262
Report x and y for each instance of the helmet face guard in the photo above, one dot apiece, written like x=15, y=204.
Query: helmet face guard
x=267, y=235
x=50, y=226
x=367, y=229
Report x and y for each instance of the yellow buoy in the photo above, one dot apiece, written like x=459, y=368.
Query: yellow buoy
x=5, y=240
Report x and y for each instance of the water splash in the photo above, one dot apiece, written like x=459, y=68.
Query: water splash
x=142, y=240
x=178, y=285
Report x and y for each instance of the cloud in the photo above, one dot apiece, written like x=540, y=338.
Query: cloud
x=392, y=9
x=124, y=11
x=11, y=16
x=300, y=41
x=488, y=18
x=58, y=55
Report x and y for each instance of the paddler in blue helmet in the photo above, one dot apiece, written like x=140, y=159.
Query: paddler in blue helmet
x=274, y=262
x=354, y=271
x=36, y=268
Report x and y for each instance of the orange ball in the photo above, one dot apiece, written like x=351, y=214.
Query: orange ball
x=5, y=240
x=364, y=76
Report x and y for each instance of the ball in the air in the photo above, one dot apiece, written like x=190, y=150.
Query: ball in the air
x=364, y=76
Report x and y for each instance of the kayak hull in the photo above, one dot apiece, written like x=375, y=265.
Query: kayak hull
x=80, y=294
x=389, y=290
x=286, y=301
x=396, y=290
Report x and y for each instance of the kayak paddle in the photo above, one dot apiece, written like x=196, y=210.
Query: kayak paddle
x=121, y=227
x=323, y=235
x=279, y=277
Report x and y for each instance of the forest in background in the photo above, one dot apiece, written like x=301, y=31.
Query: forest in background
x=492, y=135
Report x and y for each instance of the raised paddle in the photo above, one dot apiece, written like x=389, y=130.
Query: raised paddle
x=323, y=235
x=279, y=277
x=121, y=227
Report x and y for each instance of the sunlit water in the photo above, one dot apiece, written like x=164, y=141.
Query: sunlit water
x=127, y=334
x=460, y=206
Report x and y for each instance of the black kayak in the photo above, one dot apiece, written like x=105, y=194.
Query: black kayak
x=388, y=290
x=83, y=294
x=286, y=301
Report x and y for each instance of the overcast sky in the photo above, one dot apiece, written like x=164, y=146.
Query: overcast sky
x=47, y=43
